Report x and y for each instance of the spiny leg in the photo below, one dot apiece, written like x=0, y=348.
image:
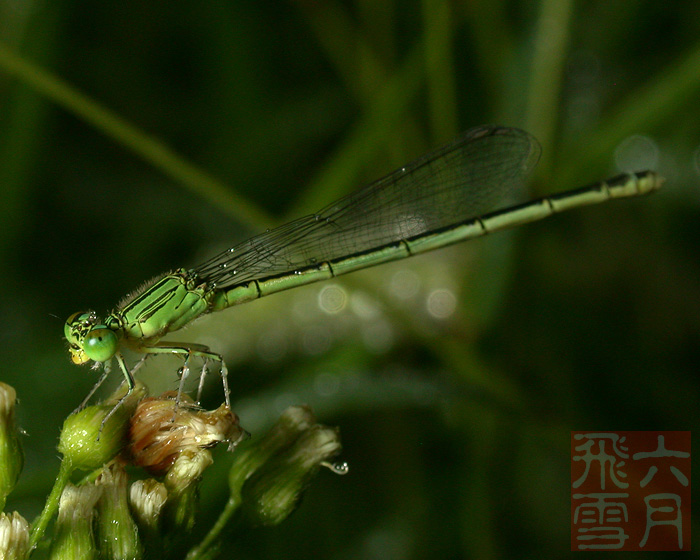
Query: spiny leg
x=224, y=377
x=202, y=377
x=198, y=350
x=106, y=369
x=128, y=378
x=139, y=364
x=224, y=382
x=183, y=373
x=223, y=370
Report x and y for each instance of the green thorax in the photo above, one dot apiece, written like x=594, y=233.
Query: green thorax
x=164, y=305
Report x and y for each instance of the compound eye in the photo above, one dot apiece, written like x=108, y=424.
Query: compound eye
x=100, y=344
x=78, y=322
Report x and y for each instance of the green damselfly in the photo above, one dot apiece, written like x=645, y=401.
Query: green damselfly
x=452, y=194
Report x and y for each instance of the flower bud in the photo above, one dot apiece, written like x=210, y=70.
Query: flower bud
x=88, y=442
x=275, y=471
x=147, y=499
x=79, y=441
x=11, y=457
x=182, y=482
x=73, y=535
x=118, y=535
x=290, y=425
x=14, y=536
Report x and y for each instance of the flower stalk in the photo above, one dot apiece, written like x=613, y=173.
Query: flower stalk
x=11, y=456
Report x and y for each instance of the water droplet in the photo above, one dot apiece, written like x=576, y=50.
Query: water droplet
x=341, y=468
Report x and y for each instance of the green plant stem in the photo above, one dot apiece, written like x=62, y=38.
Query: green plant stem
x=148, y=148
x=370, y=133
x=439, y=68
x=202, y=549
x=665, y=96
x=493, y=44
x=40, y=524
x=551, y=41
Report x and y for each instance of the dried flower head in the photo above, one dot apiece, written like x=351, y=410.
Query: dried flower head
x=162, y=430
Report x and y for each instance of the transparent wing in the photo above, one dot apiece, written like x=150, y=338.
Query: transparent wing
x=481, y=171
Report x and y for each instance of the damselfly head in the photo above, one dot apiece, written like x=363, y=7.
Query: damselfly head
x=89, y=340
x=75, y=329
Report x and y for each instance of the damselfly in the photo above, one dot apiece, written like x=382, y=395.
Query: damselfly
x=452, y=194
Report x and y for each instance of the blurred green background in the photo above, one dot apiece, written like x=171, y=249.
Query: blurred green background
x=455, y=377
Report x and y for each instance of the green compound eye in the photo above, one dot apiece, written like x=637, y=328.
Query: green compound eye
x=77, y=323
x=100, y=344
